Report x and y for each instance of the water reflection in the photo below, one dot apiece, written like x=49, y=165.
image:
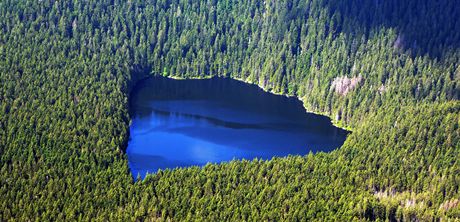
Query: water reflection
x=179, y=123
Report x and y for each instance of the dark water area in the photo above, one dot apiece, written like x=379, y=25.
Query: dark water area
x=180, y=123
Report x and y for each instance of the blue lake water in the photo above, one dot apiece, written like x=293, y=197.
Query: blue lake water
x=180, y=123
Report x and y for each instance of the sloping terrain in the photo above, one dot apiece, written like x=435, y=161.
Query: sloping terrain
x=67, y=67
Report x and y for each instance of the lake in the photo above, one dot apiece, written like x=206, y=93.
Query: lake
x=180, y=123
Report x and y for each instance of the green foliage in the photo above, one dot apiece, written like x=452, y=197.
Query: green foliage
x=67, y=67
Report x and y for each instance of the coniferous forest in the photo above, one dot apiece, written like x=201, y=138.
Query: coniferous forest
x=388, y=70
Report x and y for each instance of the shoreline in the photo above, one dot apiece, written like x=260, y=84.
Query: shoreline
x=337, y=124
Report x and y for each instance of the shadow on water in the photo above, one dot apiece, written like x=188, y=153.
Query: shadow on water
x=178, y=123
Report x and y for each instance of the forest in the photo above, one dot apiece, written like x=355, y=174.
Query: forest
x=388, y=70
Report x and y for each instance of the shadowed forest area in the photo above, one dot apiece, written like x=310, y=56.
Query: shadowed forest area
x=424, y=27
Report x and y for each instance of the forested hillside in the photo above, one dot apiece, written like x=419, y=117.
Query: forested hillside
x=387, y=69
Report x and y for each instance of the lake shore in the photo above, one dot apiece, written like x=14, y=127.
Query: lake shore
x=338, y=124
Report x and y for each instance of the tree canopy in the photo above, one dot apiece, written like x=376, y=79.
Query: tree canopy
x=387, y=69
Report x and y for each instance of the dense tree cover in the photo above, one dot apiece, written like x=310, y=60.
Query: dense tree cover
x=67, y=67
